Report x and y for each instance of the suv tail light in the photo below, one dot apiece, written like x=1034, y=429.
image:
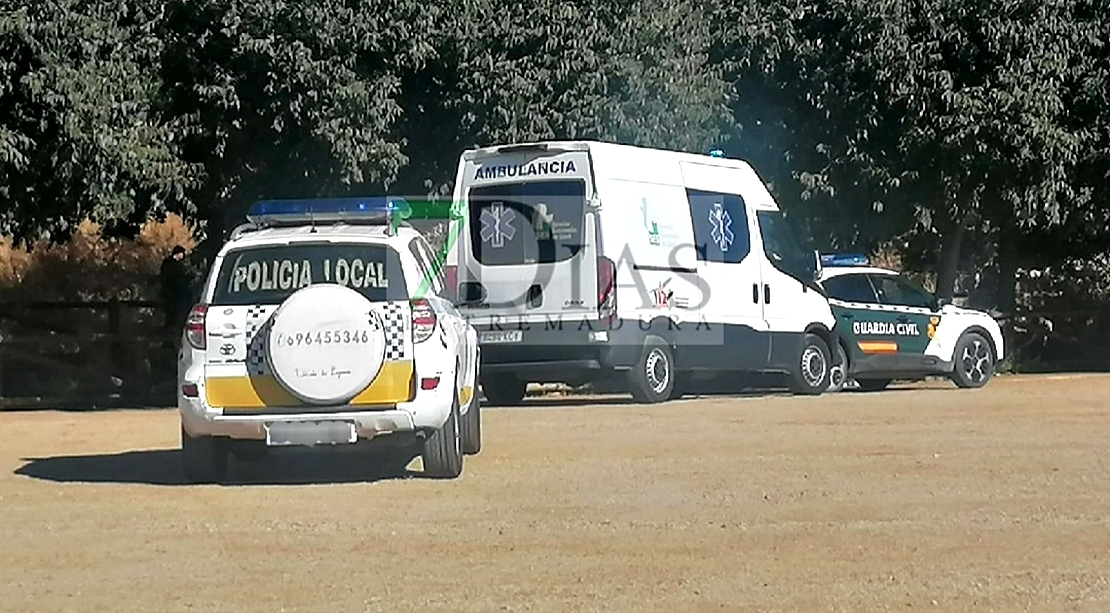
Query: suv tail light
x=194, y=327
x=423, y=320
x=606, y=288
x=450, y=281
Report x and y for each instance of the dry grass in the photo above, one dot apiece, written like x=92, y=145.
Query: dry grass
x=90, y=266
x=920, y=498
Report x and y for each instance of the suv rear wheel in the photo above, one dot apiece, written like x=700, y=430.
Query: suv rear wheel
x=471, y=423
x=443, y=457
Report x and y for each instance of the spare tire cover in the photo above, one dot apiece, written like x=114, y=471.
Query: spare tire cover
x=325, y=344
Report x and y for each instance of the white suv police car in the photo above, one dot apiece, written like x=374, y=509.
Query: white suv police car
x=891, y=328
x=322, y=323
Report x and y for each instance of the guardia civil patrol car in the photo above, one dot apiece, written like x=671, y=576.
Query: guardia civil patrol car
x=891, y=328
x=322, y=323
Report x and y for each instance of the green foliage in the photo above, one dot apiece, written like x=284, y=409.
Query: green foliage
x=971, y=129
x=277, y=98
x=922, y=120
x=521, y=71
x=78, y=138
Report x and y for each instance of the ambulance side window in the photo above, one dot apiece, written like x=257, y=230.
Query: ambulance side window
x=720, y=226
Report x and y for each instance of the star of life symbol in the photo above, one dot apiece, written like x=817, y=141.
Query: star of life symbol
x=497, y=225
x=722, y=227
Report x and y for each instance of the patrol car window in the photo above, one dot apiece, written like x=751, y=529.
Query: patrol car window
x=720, y=226
x=269, y=274
x=901, y=292
x=850, y=288
x=783, y=248
x=535, y=222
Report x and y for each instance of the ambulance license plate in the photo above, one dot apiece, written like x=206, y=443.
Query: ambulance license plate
x=500, y=336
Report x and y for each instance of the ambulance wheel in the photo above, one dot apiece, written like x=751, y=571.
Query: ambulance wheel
x=974, y=363
x=203, y=458
x=873, y=385
x=504, y=390
x=681, y=384
x=443, y=455
x=811, y=373
x=652, y=378
x=838, y=375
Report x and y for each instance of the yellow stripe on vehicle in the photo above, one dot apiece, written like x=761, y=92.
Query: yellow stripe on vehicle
x=878, y=346
x=393, y=384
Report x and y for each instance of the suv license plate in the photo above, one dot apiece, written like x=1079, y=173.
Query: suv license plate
x=507, y=336
x=310, y=433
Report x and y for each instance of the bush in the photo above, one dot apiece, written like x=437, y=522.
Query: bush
x=90, y=266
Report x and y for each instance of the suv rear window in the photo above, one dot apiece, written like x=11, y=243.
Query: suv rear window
x=268, y=275
x=535, y=222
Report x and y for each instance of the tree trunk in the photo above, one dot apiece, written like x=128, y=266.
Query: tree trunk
x=949, y=264
x=220, y=222
x=1008, y=239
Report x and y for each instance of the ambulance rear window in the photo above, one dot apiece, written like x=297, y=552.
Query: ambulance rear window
x=269, y=274
x=532, y=222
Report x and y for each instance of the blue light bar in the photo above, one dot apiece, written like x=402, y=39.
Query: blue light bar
x=716, y=153
x=844, y=259
x=280, y=212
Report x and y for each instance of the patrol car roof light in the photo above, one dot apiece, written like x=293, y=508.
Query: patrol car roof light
x=717, y=153
x=844, y=259
x=389, y=210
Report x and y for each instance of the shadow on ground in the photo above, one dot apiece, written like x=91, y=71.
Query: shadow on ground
x=163, y=467
x=610, y=399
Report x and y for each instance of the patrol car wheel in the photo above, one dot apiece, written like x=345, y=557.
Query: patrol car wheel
x=811, y=374
x=325, y=344
x=442, y=456
x=873, y=385
x=974, y=363
x=838, y=375
x=652, y=378
x=203, y=458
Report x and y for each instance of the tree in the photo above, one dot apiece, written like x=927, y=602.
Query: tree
x=78, y=138
x=630, y=72
x=944, y=117
x=287, y=99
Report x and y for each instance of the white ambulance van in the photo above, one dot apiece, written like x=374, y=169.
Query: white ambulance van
x=588, y=261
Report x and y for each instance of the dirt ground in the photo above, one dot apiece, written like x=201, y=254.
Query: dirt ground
x=919, y=498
